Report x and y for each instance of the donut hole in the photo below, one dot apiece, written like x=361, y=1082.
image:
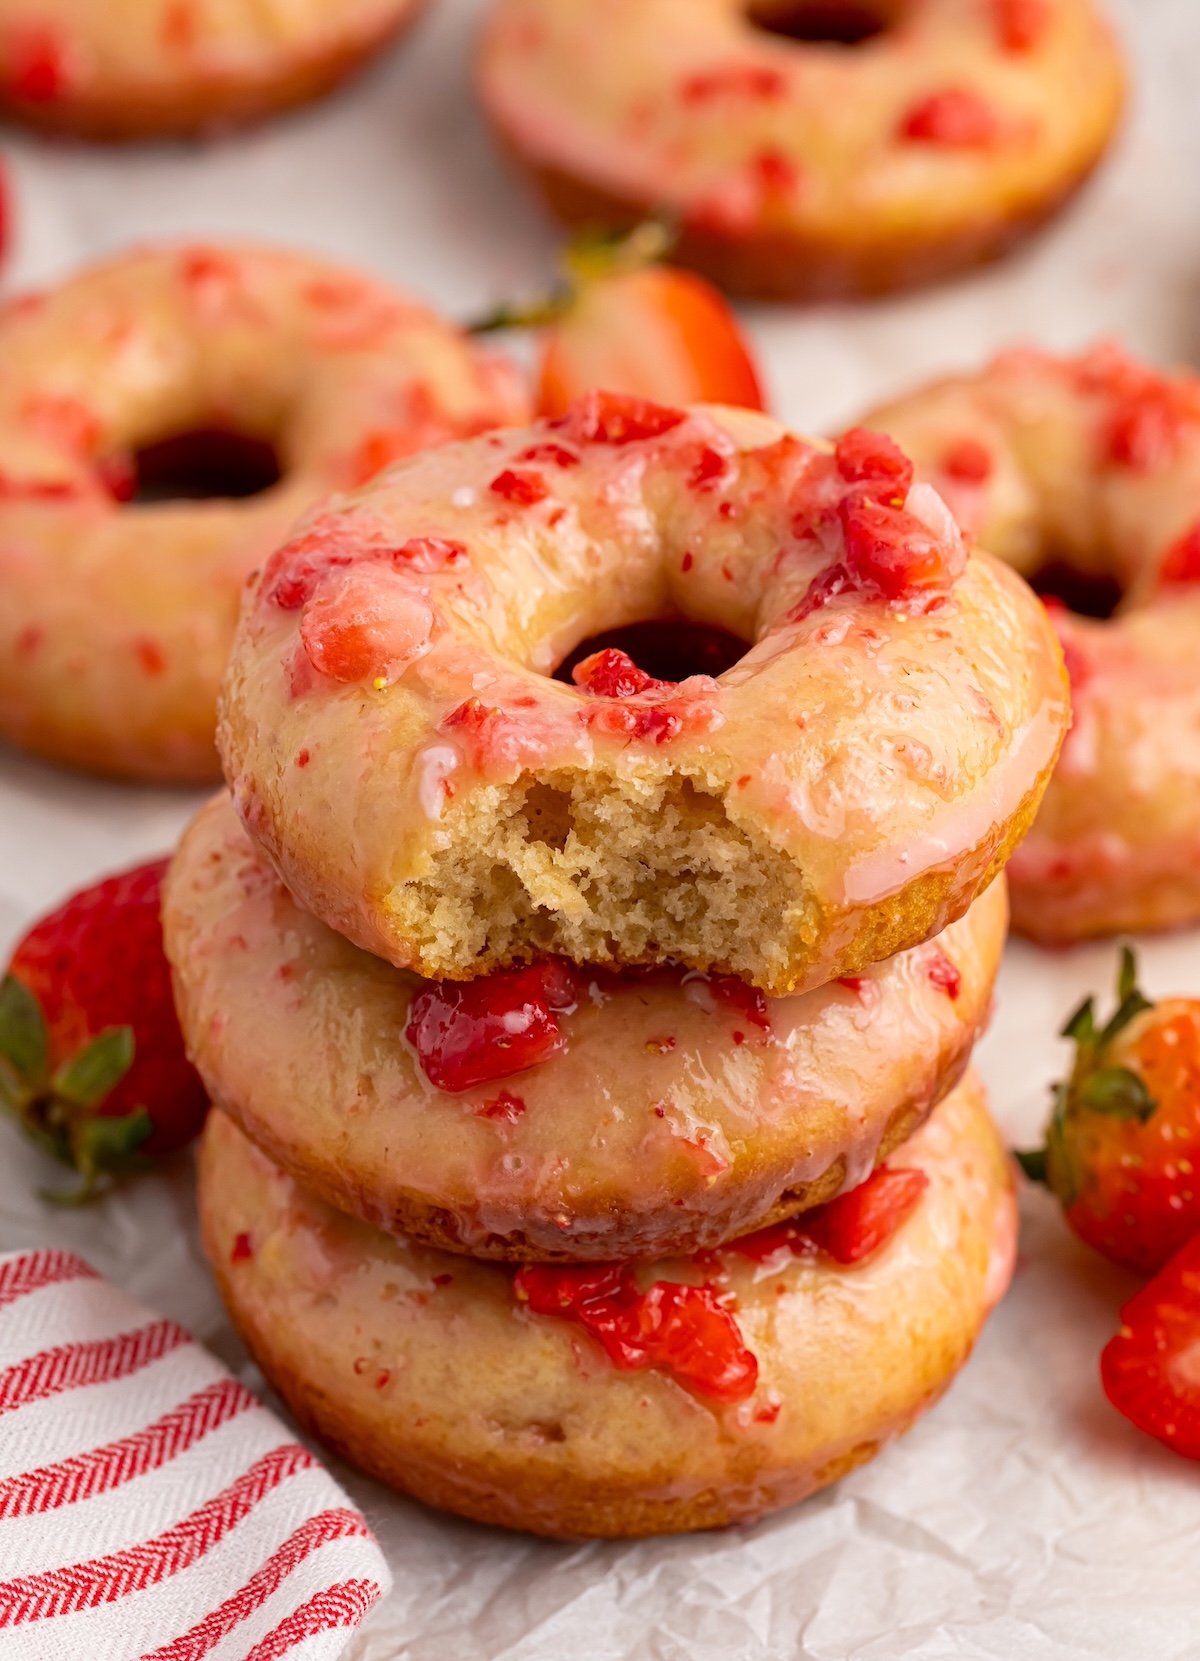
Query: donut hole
x=205, y=464
x=1086, y=593
x=823, y=22
x=669, y=649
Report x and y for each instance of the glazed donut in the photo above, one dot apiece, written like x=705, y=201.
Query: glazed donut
x=116, y=616
x=1084, y=474
x=795, y=168
x=664, y=1112
x=397, y=747
x=166, y=68
x=430, y=1372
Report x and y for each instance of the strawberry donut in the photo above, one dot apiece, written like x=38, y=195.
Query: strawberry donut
x=277, y=370
x=549, y=1112
x=1084, y=474
x=807, y=149
x=122, y=69
x=398, y=748
x=611, y=1400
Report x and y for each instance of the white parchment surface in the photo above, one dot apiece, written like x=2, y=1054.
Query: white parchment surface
x=1022, y=1519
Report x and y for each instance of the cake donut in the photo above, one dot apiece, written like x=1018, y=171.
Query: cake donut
x=117, y=615
x=398, y=748
x=130, y=69
x=807, y=149
x=1084, y=474
x=551, y=1112
x=608, y=1401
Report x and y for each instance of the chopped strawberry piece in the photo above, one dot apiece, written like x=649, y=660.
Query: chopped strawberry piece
x=738, y=80
x=825, y=586
x=863, y=456
x=616, y=418
x=1145, y=428
x=505, y=1107
x=556, y=454
x=1151, y=1369
x=681, y=1330
x=523, y=487
x=958, y=118
x=38, y=65
x=471, y=1032
x=1021, y=23
x=736, y=993
x=888, y=549
x=365, y=623
x=1181, y=562
x=428, y=554
x=943, y=974
x=612, y=674
x=850, y=1228
x=968, y=461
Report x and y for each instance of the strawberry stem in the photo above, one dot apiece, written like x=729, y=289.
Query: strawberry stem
x=588, y=258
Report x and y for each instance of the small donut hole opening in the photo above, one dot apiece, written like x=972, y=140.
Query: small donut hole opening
x=669, y=649
x=208, y=464
x=823, y=22
x=1086, y=593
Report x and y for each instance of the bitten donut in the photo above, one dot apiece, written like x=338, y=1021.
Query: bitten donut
x=551, y=1112
x=397, y=746
x=1084, y=474
x=116, y=615
x=604, y=1400
x=126, y=69
x=807, y=149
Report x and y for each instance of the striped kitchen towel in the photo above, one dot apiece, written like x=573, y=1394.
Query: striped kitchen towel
x=150, y=1506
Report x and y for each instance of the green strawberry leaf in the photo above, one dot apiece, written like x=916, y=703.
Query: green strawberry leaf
x=101, y=1147
x=1082, y=1025
x=92, y=1074
x=1118, y=1093
x=24, y=1040
x=1033, y=1162
x=1130, y=1001
x=1126, y=974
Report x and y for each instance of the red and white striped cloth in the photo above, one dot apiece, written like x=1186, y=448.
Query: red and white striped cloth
x=150, y=1506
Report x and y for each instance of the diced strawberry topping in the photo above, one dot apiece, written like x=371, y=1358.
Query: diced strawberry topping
x=1151, y=1369
x=738, y=80
x=944, y=975
x=38, y=65
x=505, y=1108
x=616, y=418
x=968, y=461
x=523, y=487
x=556, y=454
x=681, y=1330
x=471, y=1032
x=612, y=674
x=957, y=117
x=1144, y=431
x=1181, y=562
x=428, y=554
x=1021, y=23
x=866, y=457
x=739, y=995
x=890, y=550
x=850, y=1228
x=364, y=623
x=825, y=586
x=293, y=571
x=777, y=174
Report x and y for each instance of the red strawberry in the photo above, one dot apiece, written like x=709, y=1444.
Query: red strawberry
x=1151, y=1369
x=1123, y=1143
x=624, y=323
x=91, y=1055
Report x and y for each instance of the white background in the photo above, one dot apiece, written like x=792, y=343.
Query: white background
x=1022, y=1518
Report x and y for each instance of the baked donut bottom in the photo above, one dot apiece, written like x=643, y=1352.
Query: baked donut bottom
x=782, y=263
x=174, y=104
x=428, y=1371
x=679, y=1111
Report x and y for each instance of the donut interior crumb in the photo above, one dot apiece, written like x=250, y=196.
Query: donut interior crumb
x=614, y=869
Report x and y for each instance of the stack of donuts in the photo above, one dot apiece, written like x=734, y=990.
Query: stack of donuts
x=587, y=957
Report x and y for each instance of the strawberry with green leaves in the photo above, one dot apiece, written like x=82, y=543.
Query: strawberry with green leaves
x=622, y=321
x=92, y=1062
x=1122, y=1147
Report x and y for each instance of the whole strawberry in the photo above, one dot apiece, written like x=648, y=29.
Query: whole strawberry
x=623, y=322
x=91, y=1056
x=1122, y=1147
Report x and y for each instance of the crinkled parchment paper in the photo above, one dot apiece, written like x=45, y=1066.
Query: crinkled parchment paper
x=1022, y=1519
